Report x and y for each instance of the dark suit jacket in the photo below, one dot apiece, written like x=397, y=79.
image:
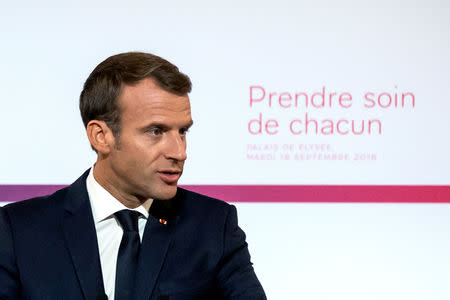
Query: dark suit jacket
x=48, y=250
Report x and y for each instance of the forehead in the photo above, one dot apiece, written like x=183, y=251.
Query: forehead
x=145, y=99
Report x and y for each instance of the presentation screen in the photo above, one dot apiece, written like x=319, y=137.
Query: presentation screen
x=325, y=122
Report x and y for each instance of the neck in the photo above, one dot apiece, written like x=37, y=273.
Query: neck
x=130, y=201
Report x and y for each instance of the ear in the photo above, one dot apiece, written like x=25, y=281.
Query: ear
x=100, y=136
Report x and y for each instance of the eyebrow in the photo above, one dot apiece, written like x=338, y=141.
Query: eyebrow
x=164, y=126
x=189, y=124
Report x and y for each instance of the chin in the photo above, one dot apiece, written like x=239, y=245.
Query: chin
x=166, y=193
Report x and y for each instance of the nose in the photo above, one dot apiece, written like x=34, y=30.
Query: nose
x=176, y=147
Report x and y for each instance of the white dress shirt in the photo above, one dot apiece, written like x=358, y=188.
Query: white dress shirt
x=109, y=231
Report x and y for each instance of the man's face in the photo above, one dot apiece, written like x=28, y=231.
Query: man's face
x=150, y=151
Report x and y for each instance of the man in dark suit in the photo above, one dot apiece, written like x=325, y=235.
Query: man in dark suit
x=124, y=230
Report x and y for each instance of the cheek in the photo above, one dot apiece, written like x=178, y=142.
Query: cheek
x=140, y=151
x=146, y=154
x=134, y=146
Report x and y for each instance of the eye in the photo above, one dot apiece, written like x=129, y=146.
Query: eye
x=155, y=131
x=184, y=130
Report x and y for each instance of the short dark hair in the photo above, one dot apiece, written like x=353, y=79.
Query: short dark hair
x=99, y=98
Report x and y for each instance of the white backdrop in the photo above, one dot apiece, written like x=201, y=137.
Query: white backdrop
x=300, y=250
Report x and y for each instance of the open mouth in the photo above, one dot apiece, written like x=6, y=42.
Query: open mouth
x=169, y=176
x=170, y=172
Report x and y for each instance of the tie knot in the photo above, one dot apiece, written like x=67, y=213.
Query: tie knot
x=128, y=219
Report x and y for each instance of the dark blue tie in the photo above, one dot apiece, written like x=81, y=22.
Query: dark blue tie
x=128, y=254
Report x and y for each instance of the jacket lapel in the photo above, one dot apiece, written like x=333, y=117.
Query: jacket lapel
x=81, y=239
x=155, y=245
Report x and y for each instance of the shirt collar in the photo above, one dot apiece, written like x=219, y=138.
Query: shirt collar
x=103, y=204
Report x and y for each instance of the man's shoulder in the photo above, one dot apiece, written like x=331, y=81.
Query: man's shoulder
x=48, y=203
x=40, y=201
x=36, y=206
x=202, y=200
x=196, y=201
x=187, y=203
